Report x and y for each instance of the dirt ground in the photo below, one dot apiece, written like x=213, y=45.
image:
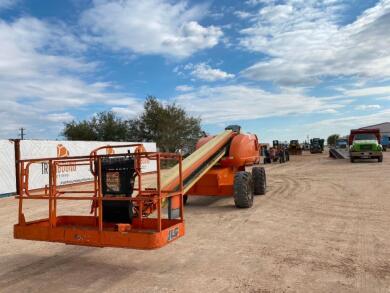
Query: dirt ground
x=323, y=226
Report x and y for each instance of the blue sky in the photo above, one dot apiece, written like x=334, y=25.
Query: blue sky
x=281, y=69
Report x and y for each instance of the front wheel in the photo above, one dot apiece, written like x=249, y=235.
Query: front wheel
x=259, y=180
x=380, y=159
x=243, y=190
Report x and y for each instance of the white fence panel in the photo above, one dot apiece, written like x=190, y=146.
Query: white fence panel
x=35, y=149
x=7, y=167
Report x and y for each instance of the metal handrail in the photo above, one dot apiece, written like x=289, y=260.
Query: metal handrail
x=147, y=200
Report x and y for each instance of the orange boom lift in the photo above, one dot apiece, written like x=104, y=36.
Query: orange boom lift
x=134, y=209
x=228, y=176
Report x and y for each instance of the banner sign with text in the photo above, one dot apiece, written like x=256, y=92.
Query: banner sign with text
x=66, y=174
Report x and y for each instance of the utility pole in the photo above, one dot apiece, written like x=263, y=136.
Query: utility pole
x=22, y=133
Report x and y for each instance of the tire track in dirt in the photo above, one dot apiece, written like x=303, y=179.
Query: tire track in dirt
x=348, y=206
x=299, y=194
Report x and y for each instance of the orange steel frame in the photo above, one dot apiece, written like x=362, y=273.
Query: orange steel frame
x=219, y=180
x=216, y=182
x=143, y=233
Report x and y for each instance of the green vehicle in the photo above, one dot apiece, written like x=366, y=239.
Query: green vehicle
x=316, y=145
x=364, y=144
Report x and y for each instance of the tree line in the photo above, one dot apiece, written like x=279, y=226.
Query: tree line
x=168, y=125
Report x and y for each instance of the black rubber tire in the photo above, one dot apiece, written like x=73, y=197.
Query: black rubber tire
x=243, y=190
x=259, y=180
x=185, y=199
x=352, y=160
x=380, y=159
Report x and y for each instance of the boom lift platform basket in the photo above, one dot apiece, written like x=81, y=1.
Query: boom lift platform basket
x=127, y=211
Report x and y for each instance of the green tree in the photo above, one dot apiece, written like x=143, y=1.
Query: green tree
x=168, y=125
x=105, y=126
x=332, y=139
x=109, y=127
x=79, y=131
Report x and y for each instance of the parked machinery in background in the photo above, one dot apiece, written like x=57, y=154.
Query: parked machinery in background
x=277, y=153
x=282, y=151
x=269, y=155
x=306, y=146
x=342, y=143
x=295, y=148
x=263, y=149
x=316, y=145
x=385, y=142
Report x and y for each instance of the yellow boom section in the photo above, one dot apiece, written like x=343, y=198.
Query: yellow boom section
x=198, y=163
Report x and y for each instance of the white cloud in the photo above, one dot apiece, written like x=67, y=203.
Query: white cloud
x=340, y=125
x=305, y=42
x=329, y=111
x=41, y=77
x=126, y=107
x=159, y=27
x=368, y=91
x=128, y=112
x=240, y=102
x=368, y=107
x=276, y=13
x=119, y=101
x=256, y=2
x=60, y=117
x=242, y=14
x=344, y=124
x=5, y=4
x=203, y=71
x=184, y=88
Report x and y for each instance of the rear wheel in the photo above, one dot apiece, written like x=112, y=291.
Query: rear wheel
x=259, y=180
x=185, y=199
x=243, y=190
x=380, y=159
x=352, y=160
